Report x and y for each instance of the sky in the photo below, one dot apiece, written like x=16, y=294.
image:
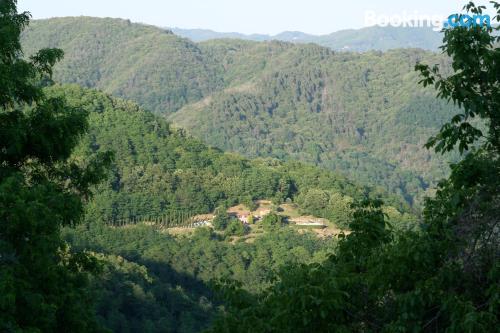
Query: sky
x=244, y=16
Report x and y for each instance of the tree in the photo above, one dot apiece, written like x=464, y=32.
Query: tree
x=221, y=219
x=235, y=228
x=272, y=222
x=339, y=208
x=43, y=284
x=473, y=86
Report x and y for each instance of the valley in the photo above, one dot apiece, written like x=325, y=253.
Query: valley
x=361, y=115
x=186, y=180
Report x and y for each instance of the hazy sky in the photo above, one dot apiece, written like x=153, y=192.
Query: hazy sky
x=248, y=16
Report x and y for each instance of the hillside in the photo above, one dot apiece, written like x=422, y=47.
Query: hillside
x=158, y=169
x=164, y=282
x=358, y=40
x=149, y=65
x=359, y=114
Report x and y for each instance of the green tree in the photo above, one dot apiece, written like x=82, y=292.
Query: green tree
x=235, y=228
x=42, y=284
x=272, y=222
x=221, y=219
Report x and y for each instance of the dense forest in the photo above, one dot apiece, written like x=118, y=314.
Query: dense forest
x=74, y=160
x=153, y=281
x=362, y=115
x=158, y=169
x=358, y=115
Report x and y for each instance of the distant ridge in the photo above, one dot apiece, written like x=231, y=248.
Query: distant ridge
x=357, y=40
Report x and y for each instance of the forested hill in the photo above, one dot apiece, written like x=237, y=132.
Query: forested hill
x=158, y=282
x=158, y=169
x=359, y=40
x=359, y=114
x=149, y=65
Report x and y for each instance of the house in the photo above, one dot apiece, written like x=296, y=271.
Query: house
x=243, y=217
x=261, y=212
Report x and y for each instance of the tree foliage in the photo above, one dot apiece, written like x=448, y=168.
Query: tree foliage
x=42, y=282
x=272, y=222
x=155, y=282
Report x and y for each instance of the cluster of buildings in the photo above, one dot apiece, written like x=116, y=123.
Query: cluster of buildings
x=245, y=216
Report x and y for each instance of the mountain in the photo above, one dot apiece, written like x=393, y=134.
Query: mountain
x=200, y=35
x=294, y=36
x=358, y=40
x=382, y=39
x=150, y=65
x=363, y=115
